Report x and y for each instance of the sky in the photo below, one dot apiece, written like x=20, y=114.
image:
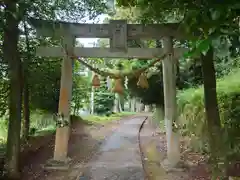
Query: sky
x=88, y=42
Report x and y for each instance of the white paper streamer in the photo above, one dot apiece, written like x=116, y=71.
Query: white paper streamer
x=109, y=83
x=126, y=82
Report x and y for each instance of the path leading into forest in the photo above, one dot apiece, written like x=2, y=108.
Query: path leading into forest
x=119, y=156
x=110, y=152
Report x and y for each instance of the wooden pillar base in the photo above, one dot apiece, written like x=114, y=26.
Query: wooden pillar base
x=57, y=165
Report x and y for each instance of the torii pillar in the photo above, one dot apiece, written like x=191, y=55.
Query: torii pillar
x=64, y=108
x=170, y=104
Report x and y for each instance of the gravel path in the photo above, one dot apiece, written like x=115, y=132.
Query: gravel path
x=119, y=157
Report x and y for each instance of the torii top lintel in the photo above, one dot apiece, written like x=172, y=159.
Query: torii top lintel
x=134, y=31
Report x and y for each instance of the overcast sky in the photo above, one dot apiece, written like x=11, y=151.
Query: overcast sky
x=88, y=42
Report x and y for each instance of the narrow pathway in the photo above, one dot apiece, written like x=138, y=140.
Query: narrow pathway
x=119, y=157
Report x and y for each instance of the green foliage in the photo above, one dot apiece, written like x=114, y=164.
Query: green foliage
x=81, y=89
x=44, y=79
x=225, y=65
x=45, y=85
x=103, y=99
x=190, y=74
x=191, y=108
x=158, y=117
x=204, y=20
x=44, y=74
x=130, y=14
x=208, y=15
x=198, y=47
x=40, y=121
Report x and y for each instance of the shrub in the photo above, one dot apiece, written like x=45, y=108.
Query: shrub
x=192, y=114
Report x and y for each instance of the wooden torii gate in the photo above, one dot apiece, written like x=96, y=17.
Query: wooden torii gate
x=119, y=32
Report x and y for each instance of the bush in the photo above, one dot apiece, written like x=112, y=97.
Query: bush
x=192, y=114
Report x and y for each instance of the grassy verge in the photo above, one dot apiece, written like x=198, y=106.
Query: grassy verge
x=44, y=131
x=192, y=110
x=42, y=124
x=106, y=119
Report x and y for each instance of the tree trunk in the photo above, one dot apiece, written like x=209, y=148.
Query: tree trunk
x=146, y=108
x=137, y=105
x=121, y=101
x=116, y=107
x=150, y=108
x=26, y=124
x=26, y=110
x=211, y=104
x=11, y=55
x=129, y=104
x=210, y=93
x=142, y=107
x=75, y=110
x=134, y=105
x=92, y=101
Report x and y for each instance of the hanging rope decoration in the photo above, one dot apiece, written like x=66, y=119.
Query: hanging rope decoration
x=122, y=74
x=118, y=88
x=142, y=81
x=95, y=81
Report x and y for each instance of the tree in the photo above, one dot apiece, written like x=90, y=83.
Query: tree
x=104, y=99
x=12, y=13
x=211, y=20
x=81, y=89
x=12, y=57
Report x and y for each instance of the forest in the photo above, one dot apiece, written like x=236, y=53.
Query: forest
x=208, y=83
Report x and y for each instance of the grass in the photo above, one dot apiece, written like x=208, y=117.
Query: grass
x=44, y=131
x=227, y=85
x=3, y=131
x=41, y=123
x=192, y=110
x=105, y=119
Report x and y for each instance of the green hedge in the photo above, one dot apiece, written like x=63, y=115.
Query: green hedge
x=192, y=116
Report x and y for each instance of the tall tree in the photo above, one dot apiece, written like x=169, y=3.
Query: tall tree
x=211, y=20
x=12, y=13
x=26, y=95
x=12, y=57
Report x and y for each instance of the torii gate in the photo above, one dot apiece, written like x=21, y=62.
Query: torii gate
x=119, y=32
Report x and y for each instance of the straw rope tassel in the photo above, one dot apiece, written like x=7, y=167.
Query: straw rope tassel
x=95, y=81
x=142, y=81
x=118, y=88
